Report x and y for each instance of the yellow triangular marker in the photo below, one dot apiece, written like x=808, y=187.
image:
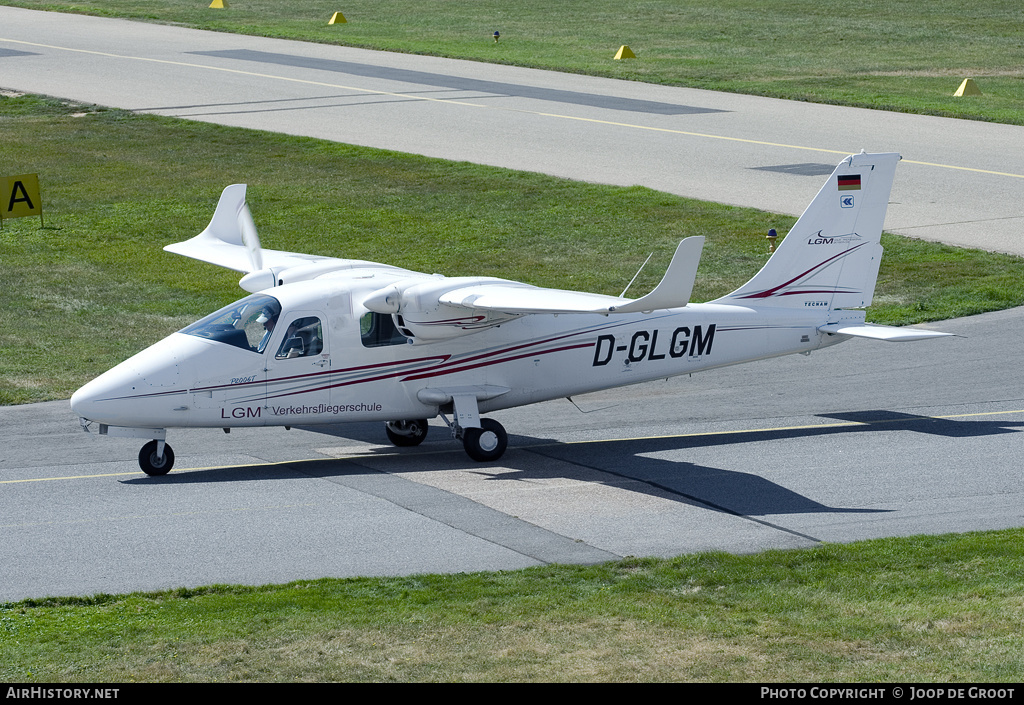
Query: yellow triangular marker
x=337, y=18
x=625, y=53
x=968, y=87
x=219, y=4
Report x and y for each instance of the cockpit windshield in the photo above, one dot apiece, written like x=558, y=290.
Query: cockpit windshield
x=246, y=324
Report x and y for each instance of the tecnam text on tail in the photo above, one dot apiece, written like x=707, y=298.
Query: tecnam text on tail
x=323, y=340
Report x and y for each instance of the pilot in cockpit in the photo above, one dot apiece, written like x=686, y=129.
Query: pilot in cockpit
x=269, y=319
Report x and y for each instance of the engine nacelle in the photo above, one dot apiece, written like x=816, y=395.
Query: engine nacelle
x=445, y=322
x=419, y=316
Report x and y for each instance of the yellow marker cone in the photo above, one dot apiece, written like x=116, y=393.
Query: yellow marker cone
x=219, y=4
x=337, y=18
x=968, y=87
x=625, y=53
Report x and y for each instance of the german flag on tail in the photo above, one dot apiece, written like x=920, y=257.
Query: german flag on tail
x=849, y=182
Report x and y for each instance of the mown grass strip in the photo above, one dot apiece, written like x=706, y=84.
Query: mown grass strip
x=920, y=609
x=117, y=187
x=900, y=55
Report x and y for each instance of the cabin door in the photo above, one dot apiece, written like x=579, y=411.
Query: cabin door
x=299, y=369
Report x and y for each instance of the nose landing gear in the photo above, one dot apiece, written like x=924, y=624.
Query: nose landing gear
x=156, y=458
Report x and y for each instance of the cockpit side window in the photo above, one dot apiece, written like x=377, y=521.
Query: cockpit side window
x=304, y=337
x=245, y=324
x=376, y=329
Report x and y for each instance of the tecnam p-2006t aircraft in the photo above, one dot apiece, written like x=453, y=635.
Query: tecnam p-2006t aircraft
x=323, y=340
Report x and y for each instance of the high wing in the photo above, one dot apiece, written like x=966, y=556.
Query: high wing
x=346, y=327
x=231, y=241
x=829, y=261
x=673, y=292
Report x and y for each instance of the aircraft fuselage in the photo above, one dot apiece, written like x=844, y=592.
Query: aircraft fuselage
x=190, y=381
x=326, y=340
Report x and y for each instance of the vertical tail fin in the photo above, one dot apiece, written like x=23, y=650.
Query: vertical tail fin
x=830, y=258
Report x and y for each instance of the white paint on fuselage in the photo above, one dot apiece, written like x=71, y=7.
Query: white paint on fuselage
x=186, y=381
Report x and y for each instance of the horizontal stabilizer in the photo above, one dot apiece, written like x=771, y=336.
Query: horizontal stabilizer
x=891, y=334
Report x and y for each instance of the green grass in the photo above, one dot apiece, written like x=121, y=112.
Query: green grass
x=93, y=286
x=924, y=609
x=903, y=55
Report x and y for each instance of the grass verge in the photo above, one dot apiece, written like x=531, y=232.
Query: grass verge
x=902, y=55
x=93, y=286
x=910, y=610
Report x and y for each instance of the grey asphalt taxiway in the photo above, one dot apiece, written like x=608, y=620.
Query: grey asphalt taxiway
x=862, y=440
x=858, y=441
x=960, y=181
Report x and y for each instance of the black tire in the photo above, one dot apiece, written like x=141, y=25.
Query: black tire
x=153, y=466
x=407, y=433
x=487, y=443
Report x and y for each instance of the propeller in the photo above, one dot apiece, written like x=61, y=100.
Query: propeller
x=250, y=238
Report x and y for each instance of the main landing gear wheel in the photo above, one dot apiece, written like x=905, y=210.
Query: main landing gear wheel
x=486, y=443
x=151, y=463
x=410, y=432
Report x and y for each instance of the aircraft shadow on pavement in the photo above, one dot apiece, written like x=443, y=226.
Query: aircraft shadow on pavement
x=880, y=420
x=740, y=492
x=729, y=491
x=746, y=493
x=621, y=463
x=860, y=421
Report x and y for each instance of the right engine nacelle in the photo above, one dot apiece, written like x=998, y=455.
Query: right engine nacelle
x=421, y=317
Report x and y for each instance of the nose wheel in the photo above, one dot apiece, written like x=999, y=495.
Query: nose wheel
x=156, y=458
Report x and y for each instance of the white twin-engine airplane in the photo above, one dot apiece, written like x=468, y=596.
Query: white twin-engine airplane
x=324, y=340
